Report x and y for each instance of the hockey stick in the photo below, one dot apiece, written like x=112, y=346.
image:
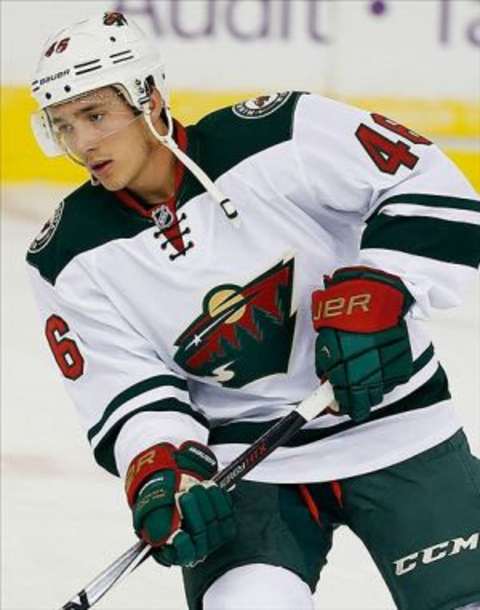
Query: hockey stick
x=279, y=433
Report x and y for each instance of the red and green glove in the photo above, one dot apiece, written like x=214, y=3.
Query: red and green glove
x=362, y=346
x=176, y=508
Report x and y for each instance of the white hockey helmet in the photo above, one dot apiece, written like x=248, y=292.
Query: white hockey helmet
x=107, y=49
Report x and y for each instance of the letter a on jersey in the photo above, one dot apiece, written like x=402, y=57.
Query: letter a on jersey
x=244, y=333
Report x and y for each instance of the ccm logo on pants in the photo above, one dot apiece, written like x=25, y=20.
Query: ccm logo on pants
x=435, y=553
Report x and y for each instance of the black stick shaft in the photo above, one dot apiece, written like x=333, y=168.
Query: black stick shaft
x=283, y=430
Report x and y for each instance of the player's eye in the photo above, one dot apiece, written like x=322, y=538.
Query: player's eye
x=63, y=128
x=96, y=117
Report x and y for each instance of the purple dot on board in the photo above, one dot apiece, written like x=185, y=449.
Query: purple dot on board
x=378, y=7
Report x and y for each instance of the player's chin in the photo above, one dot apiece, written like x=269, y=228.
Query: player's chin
x=112, y=183
x=108, y=186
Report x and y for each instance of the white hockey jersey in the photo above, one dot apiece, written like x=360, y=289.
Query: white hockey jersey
x=203, y=330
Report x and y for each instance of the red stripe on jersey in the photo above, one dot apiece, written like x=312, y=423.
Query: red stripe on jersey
x=337, y=492
x=310, y=503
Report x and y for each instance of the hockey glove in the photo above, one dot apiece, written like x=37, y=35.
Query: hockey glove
x=362, y=346
x=168, y=489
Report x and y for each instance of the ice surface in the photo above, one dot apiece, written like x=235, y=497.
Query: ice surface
x=64, y=520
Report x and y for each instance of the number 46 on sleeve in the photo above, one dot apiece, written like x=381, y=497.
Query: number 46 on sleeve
x=387, y=155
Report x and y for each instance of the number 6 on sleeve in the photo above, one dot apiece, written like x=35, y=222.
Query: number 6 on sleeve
x=65, y=351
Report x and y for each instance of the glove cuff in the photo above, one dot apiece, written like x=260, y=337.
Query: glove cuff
x=191, y=459
x=359, y=299
x=158, y=457
x=196, y=460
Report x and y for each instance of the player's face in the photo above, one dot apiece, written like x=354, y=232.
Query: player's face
x=101, y=131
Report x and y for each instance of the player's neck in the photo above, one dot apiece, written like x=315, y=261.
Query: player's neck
x=156, y=182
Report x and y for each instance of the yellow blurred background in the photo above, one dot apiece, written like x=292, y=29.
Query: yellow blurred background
x=453, y=125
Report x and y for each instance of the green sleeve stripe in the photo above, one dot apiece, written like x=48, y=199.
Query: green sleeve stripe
x=442, y=240
x=433, y=201
x=431, y=392
x=104, y=451
x=423, y=359
x=135, y=390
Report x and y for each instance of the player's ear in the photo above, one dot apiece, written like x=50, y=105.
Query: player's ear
x=156, y=103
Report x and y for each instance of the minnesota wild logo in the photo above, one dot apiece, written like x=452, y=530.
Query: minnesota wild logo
x=244, y=333
x=48, y=231
x=261, y=106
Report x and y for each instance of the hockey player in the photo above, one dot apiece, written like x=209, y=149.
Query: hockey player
x=204, y=278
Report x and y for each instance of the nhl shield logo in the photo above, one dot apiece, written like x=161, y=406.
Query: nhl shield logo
x=261, y=106
x=163, y=217
x=47, y=231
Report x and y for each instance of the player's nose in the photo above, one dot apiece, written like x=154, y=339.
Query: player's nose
x=85, y=142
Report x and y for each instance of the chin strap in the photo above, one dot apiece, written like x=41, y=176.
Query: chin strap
x=167, y=140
